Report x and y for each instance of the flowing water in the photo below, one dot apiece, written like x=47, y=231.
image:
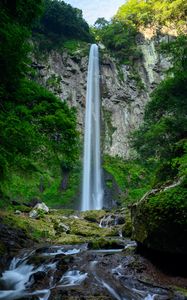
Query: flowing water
x=92, y=191
x=49, y=272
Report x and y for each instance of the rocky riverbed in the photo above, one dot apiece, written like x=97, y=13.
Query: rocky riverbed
x=73, y=255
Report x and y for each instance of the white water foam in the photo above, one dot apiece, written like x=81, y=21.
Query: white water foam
x=74, y=277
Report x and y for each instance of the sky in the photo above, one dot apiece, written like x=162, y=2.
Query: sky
x=93, y=9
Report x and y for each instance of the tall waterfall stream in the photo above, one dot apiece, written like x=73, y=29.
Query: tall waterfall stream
x=92, y=191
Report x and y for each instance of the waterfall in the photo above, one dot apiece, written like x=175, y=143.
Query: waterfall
x=92, y=191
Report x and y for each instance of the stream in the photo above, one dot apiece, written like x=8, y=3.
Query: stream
x=74, y=272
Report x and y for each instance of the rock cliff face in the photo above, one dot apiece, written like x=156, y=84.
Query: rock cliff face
x=125, y=90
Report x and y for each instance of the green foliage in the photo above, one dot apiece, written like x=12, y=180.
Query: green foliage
x=119, y=38
x=177, y=51
x=24, y=12
x=13, y=54
x=61, y=22
x=38, y=136
x=160, y=141
x=103, y=243
x=160, y=221
x=173, y=199
x=154, y=12
x=133, y=179
x=164, y=125
x=136, y=12
x=37, y=133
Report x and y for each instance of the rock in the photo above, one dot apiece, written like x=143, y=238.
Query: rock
x=61, y=227
x=120, y=220
x=93, y=215
x=105, y=244
x=42, y=206
x=38, y=210
x=124, y=92
x=109, y=221
x=127, y=227
x=39, y=276
x=18, y=212
x=160, y=219
x=12, y=240
x=33, y=214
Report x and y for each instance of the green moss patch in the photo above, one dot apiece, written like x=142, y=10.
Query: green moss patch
x=160, y=221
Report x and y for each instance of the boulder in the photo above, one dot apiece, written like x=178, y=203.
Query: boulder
x=105, y=244
x=33, y=214
x=61, y=227
x=41, y=206
x=38, y=210
x=160, y=220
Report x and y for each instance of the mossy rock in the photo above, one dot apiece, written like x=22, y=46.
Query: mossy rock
x=22, y=208
x=105, y=244
x=127, y=229
x=93, y=215
x=160, y=220
x=70, y=239
x=2, y=248
x=84, y=228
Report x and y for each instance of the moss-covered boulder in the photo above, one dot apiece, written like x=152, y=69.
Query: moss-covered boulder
x=127, y=227
x=103, y=243
x=93, y=215
x=160, y=219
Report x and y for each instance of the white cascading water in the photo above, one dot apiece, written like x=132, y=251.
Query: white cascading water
x=92, y=191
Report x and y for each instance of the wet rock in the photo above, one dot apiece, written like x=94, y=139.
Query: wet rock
x=12, y=240
x=93, y=215
x=108, y=221
x=120, y=220
x=39, y=276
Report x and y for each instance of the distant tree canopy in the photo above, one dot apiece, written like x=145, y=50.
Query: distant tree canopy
x=154, y=12
x=60, y=21
x=117, y=37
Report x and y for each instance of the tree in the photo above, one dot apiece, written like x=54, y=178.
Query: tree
x=61, y=21
x=100, y=23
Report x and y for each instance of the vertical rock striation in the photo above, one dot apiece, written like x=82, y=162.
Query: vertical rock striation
x=125, y=89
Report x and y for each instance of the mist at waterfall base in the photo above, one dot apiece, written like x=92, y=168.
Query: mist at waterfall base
x=92, y=190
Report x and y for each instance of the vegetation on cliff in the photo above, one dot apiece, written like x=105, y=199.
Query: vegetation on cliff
x=161, y=140
x=59, y=23
x=156, y=13
x=159, y=219
x=39, y=141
